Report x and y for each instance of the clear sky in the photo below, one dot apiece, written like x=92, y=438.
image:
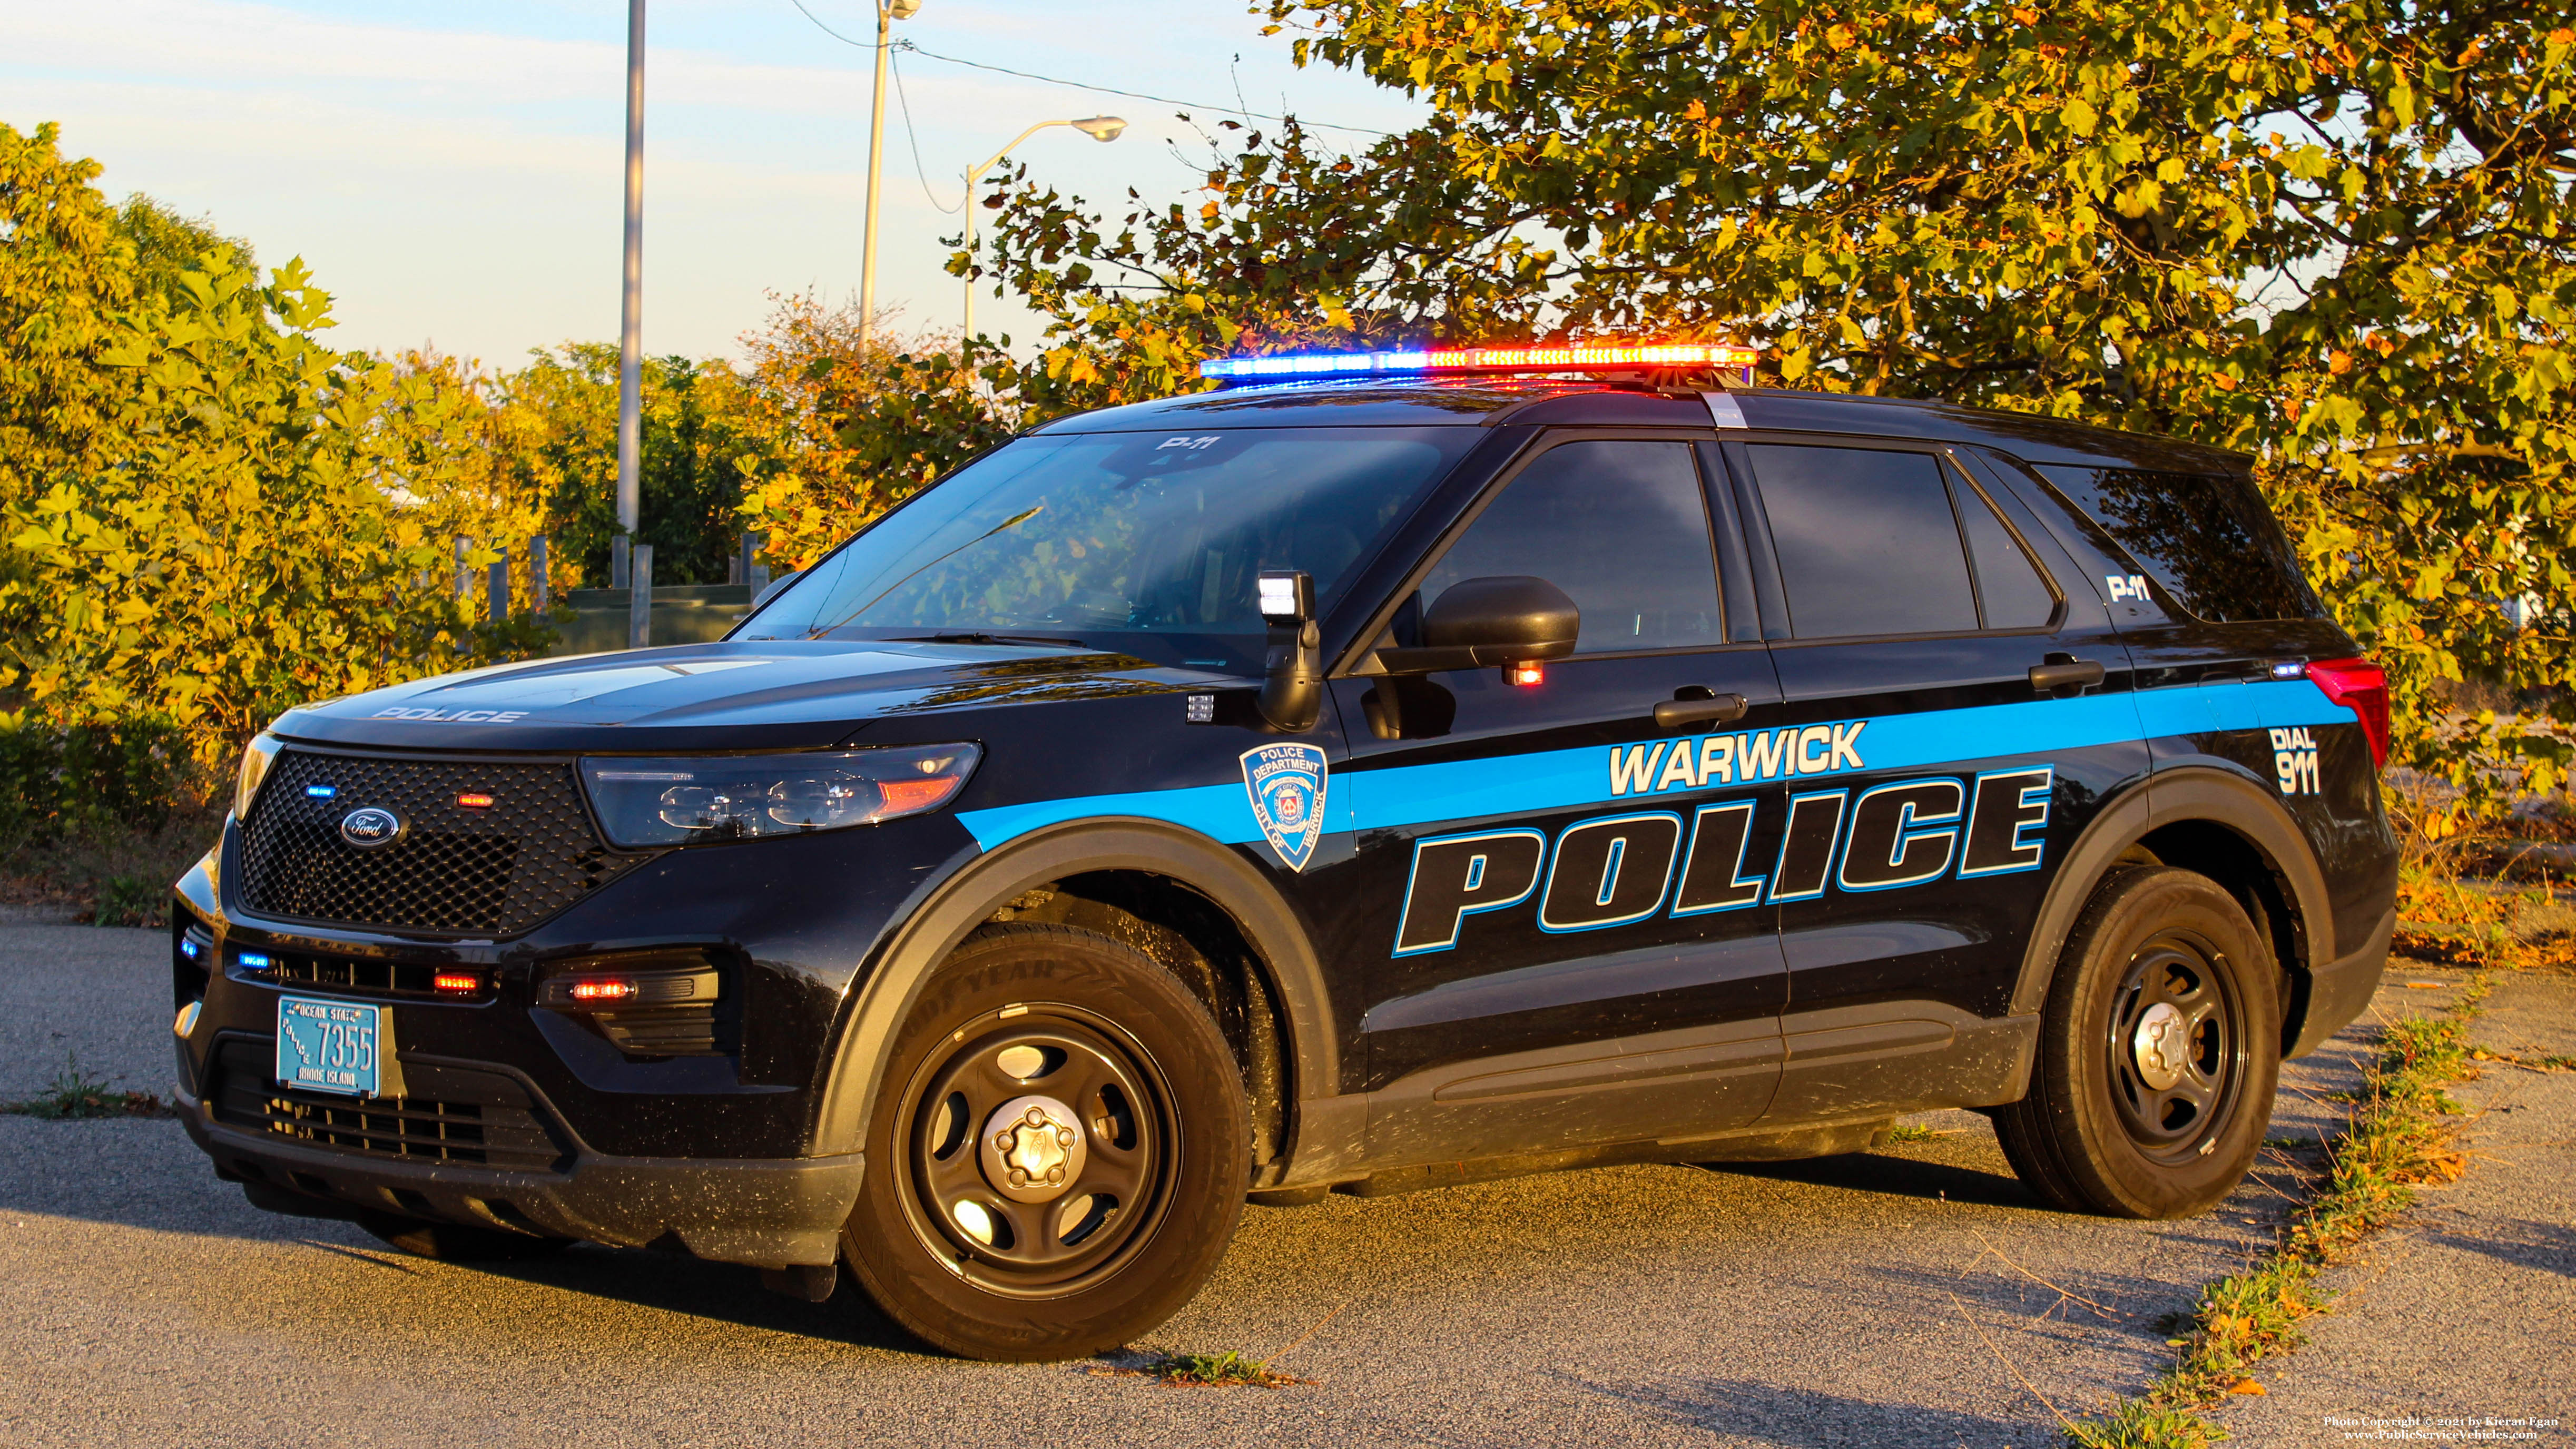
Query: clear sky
x=451, y=170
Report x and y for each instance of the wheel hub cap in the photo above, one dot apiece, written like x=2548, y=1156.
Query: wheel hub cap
x=1032, y=1148
x=2161, y=1045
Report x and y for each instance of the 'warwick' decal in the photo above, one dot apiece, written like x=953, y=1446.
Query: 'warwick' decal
x=1702, y=761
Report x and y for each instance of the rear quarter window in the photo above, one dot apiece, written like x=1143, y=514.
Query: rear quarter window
x=2207, y=538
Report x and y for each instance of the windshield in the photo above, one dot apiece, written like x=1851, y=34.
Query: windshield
x=1141, y=542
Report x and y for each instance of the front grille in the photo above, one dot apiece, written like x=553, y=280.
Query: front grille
x=347, y=976
x=496, y=870
x=453, y=1117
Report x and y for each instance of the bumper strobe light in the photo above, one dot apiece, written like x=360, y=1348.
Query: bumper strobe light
x=256, y=961
x=457, y=983
x=604, y=990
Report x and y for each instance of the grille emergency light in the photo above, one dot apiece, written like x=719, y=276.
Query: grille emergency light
x=1726, y=355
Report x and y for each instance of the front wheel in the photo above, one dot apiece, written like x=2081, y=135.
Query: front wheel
x=1058, y=1153
x=2158, y=1055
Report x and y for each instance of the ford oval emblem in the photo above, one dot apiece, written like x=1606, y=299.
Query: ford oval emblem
x=370, y=826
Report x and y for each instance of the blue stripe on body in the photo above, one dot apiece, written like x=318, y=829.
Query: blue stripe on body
x=1461, y=790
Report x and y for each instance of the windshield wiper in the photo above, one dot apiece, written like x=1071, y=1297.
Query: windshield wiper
x=982, y=639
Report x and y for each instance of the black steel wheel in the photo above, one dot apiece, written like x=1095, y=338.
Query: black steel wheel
x=1058, y=1154
x=2158, y=1054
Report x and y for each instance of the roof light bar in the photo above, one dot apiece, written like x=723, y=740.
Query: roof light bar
x=1485, y=359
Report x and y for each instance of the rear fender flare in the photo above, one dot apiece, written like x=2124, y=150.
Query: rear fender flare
x=888, y=989
x=2223, y=797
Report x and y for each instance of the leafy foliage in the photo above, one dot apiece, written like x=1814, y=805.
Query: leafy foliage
x=2327, y=233
x=853, y=431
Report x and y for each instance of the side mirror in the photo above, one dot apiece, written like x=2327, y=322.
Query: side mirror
x=1508, y=619
x=1292, y=677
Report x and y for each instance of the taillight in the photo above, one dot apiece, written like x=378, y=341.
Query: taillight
x=2362, y=687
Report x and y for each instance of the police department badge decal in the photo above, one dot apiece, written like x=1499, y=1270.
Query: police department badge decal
x=1286, y=783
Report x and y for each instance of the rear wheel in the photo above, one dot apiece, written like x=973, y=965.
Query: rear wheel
x=1058, y=1154
x=2158, y=1055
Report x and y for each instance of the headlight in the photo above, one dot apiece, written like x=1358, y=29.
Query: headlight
x=699, y=799
x=254, y=768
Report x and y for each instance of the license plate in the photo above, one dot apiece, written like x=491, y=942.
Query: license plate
x=330, y=1046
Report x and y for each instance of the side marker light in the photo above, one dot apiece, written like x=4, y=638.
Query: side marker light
x=1528, y=674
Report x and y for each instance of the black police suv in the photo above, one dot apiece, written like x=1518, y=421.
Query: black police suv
x=1361, y=784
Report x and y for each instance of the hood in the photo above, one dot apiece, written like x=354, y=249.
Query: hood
x=766, y=694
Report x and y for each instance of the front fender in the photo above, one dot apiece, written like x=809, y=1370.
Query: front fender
x=892, y=982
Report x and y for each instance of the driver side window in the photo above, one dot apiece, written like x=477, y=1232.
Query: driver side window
x=1621, y=525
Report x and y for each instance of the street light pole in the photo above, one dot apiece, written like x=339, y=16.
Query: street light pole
x=630, y=326
x=1098, y=128
x=888, y=12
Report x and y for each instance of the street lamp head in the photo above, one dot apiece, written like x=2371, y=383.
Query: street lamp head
x=1100, y=128
x=902, y=9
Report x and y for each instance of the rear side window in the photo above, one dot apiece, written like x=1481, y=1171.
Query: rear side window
x=1866, y=541
x=2208, y=540
x=2014, y=591
x=1621, y=526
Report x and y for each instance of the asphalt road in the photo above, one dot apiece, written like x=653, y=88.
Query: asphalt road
x=1915, y=1297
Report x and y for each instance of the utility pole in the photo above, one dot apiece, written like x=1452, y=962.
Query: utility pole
x=888, y=12
x=630, y=340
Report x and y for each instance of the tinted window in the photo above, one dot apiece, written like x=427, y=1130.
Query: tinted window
x=1098, y=535
x=1866, y=541
x=2008, y=583
x=1620, y=526
x=2208, y=540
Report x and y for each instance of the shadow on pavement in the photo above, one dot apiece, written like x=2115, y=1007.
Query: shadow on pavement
x=720, y=1292
x=1808, y=1419
x=1899, y=1176
x=2549, y=1247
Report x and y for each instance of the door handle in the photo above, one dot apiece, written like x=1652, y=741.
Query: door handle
x=1702, y=708
x=2064, y=671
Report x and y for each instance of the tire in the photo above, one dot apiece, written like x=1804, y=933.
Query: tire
x=1058, y=1154
x=2158, y=1054
x=457, y=1242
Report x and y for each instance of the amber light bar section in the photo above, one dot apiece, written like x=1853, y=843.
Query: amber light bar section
x=1487, y=359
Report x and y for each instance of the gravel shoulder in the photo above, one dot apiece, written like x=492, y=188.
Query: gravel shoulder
x=2465, y=1312
x=1913, y=1296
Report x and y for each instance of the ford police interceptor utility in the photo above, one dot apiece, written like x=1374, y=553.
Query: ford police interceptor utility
x=1387, y=771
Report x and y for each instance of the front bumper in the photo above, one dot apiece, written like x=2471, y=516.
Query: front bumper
x=769, y=1213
